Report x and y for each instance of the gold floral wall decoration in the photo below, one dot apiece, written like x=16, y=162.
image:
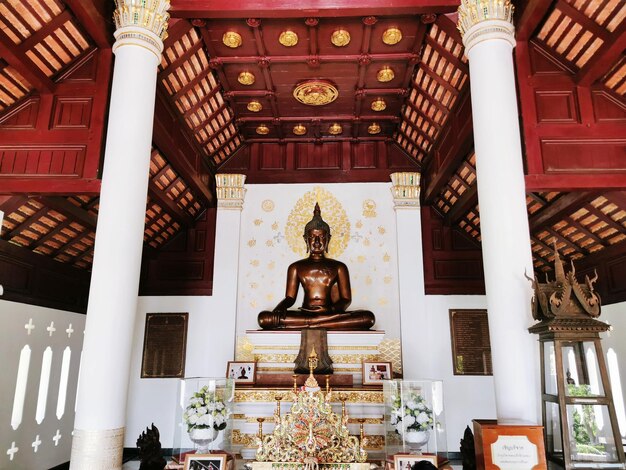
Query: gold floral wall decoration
x=268, y=205
x=369, y=208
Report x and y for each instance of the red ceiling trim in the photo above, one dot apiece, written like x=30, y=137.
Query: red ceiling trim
x=575, y=182
x=295, y=8
x=43, y=185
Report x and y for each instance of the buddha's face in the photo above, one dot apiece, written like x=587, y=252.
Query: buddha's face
x=317, y=241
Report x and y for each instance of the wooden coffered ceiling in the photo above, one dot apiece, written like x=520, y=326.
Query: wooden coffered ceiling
x=55, y=72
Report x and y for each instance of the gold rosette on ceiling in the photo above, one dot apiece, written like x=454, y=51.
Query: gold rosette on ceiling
x=315, y=92
x=288, y=38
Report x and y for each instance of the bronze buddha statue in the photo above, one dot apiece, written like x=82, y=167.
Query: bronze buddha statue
x=326, y=284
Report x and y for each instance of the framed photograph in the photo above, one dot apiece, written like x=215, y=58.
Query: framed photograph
x=406, y=461
x=205, y=462
x=375, y=372
x=241, y=372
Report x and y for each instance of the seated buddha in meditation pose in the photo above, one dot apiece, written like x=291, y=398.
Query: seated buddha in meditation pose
x=326, y=284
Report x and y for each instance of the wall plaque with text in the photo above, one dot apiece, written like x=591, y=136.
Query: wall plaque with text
x=164, y=345
x=471, y=350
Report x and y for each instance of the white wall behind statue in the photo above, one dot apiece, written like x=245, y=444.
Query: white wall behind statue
x=362, y=222
x=40, y=351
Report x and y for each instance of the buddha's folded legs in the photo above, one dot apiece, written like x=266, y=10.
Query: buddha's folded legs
x=296, y=320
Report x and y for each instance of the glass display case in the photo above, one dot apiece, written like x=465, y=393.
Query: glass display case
x=203, y=415
x=578, y=412
x=414, y=417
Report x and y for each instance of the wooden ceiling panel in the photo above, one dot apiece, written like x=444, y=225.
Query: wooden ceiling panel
x=13, y=86
x=615, y=79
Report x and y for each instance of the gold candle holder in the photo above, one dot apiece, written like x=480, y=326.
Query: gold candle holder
x=327, y=383
x=260, y=421
x=295, y=383
x=361, y=428
x=343, y=399
x=278, y=398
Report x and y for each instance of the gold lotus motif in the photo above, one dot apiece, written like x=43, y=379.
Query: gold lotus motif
x=315, y=92
x=299, y=129
x=232, y=39
x=392, y=36
x=254, y=106
x=262, y=129
x=379, y=104
x=385, y=75
x=373, y=128
x=288, y=38
x=246, y=78
x=335, y=129
x=340, y=38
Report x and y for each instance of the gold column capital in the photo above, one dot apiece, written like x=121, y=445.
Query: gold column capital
x=141, y=23
x=230, y=190
x=405, y=188
x=480, y=20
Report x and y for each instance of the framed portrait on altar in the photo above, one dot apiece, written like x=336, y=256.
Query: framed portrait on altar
x=406, y=461
x=375, y=372
x=205, y=462
x=241, y=372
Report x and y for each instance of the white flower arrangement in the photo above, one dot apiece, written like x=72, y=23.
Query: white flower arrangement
x=206, y=410
x=413, y=416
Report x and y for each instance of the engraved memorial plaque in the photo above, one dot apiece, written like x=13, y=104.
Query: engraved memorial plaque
x=471, y=350
x=164, y=345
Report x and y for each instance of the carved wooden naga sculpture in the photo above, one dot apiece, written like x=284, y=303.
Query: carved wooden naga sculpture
x=326, y=284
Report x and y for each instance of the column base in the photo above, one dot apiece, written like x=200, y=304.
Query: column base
x=97, y=450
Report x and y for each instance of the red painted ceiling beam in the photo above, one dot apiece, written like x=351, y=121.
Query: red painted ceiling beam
x=95, y=18
x=606, y=56
x=530, y=17
x=171, y=138
x=44, y=185
x=24, y=66
x=296, y=9
x=337, y=117
x=575, y=182
x=559, y=209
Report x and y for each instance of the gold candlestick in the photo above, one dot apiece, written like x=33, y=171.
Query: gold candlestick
x=343, y=399
x=327, y=383
x=278, y=398
x=295, y=383
x=260, y=421
x=361, y=428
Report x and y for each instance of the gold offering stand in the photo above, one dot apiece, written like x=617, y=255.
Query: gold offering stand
x=311, y=435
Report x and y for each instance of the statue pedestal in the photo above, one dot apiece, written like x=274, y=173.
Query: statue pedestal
x=276, y=351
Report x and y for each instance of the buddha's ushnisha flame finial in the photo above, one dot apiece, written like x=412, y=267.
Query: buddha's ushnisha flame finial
x=316, y=223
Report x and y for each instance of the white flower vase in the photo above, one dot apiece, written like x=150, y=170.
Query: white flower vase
x=415, y=440
x=202, y=438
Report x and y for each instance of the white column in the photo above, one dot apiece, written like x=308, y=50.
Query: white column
x=489, y=38
x=230, y=197
x=103, y=383
x=414, y=318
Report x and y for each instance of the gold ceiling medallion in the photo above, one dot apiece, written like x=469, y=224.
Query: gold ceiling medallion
x=232, y=39
x=288, y=38
x=340, y=38
x=392, y=36
x=385, y=75
x=254, y=106
x=315, y=92
x=373, y=128
x=262, y=129
x=335, y=129
x=246, y=78
x=299, y=129
x=379, y=104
